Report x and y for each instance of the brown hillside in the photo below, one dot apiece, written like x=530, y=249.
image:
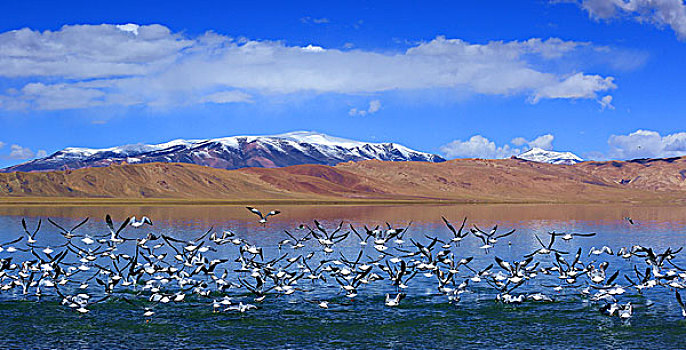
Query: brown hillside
x=464, y=180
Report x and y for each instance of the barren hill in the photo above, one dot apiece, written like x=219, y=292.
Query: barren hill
x=463, y=180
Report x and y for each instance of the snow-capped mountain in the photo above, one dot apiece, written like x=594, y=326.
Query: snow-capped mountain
x=552, y=157
x=299, y=147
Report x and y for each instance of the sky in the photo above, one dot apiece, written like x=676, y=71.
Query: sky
x=601, y=78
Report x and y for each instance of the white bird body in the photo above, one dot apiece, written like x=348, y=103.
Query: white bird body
x=144, y=220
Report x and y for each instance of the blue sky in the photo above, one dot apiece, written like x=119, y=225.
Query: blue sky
x=601, y=78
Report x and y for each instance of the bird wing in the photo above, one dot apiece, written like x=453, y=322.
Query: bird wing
x=79, y=224
x=57, y=225
x=256, y=212
x=108, y=220
x=678, y=299
x=357, y=233
x=450, y=226
x=505, y=265
x=612, y=278
x=506, y=234
x=12, y=241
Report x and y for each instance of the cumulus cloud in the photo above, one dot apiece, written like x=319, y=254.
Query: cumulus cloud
x=576, y=86
x=647, y=144
x=19, y=152
x=606, y=102
x=374, y=106
x=480, y=147
x=82, y=66
x=545, y=142
x=670, y=13
x=477, y=147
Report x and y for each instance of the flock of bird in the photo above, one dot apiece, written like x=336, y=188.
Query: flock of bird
x=229, y=273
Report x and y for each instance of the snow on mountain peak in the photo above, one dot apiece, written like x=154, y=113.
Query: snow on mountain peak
x=542, y=156
x=298, y=147
x=318, y=138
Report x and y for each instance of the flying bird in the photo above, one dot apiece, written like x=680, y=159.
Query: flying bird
x=144, y=220
x=263, y=218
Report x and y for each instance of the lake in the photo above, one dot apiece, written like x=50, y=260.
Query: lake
x=423, y=319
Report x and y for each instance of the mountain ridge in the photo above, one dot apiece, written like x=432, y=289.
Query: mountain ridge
x=270, y=151
x=462, y=180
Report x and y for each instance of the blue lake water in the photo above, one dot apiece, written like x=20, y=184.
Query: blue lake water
x=424, y=319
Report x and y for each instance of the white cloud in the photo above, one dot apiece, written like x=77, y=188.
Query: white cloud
x=545, y=142
x=575, y=87
x=374, y=106
x=606, y=102
x=478, y=147
x=88, y=51
x=671, y=13
x=61, y=96
x=19, y=152
x=519, y=141
x=81, y=66
x=129, y=27
x=227, y=97
x=647, y=144
x=2, y=144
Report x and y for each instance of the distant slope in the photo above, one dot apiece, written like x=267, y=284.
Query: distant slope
x=465, y=180
x=300, y=147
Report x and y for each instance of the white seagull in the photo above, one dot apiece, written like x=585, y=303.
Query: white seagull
x=263, y=218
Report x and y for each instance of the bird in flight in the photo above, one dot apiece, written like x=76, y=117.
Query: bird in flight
x=263, y=218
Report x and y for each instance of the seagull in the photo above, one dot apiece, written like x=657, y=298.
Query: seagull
x=569, y=236
x=625, y=311
x=627, y=218
x=545, y=249
x=68, y=234
x=160, y=269
x=31, y=236
x=489, y=238
x=263, y=218
x=242, y=308
x=457, y=234
x=144, y=220
x=604, y=249
x=395, y=301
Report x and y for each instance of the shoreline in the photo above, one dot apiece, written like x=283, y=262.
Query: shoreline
x=76, y=202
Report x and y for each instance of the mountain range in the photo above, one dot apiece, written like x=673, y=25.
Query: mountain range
x=660, y=181
x=294, y=148
x=272, y=151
